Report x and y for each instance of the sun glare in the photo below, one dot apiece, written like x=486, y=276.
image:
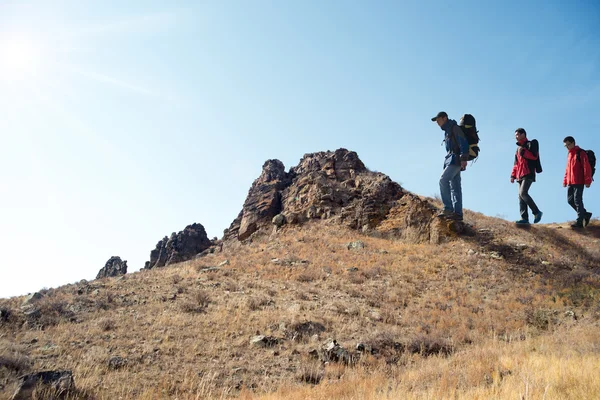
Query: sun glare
x=21, y=58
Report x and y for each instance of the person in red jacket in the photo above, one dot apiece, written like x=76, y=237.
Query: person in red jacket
x=527, y=163
x=577, y=175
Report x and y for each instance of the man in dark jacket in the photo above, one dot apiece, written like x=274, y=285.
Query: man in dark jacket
x=457, y=154
x=524, y=169
x=577, y=175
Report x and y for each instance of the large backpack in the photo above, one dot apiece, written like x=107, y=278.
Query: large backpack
x=591, y=159
x=469, y=128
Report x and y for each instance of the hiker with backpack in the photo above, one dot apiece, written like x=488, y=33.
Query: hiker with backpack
x=578, y=174
x=527, y=163
x=457, y=154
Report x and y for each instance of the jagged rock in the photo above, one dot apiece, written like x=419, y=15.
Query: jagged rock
x=60, y=382
x=263, y=201
x=113, y=267
x=31, y=298
x=181, y=246
x=337, y=186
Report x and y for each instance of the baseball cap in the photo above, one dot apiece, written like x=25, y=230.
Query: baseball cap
x=440, y=115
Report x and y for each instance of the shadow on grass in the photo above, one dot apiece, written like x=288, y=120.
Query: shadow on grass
x=520, y=259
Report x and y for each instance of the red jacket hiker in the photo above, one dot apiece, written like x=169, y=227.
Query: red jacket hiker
x=523, y=165
x=579, y=170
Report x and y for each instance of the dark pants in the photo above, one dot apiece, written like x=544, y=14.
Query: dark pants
x=525, y=199
x=575, y=199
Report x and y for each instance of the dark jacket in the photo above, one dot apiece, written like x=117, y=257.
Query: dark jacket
x=579, y=170
x=526, y=160
x=457, y=147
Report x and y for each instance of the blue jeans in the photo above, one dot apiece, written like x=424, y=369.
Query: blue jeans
x=451, y=190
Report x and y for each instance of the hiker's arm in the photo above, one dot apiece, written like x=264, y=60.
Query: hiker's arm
x=513, y=174
x=566, y=172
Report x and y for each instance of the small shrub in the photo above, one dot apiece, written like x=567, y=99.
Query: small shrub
x=13, y=359
x=255, y=303
x=106, y=324
x=198, y=303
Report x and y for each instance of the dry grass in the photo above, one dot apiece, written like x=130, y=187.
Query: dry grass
x=501, y=314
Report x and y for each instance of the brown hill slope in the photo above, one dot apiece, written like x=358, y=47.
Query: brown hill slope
x=506, y=312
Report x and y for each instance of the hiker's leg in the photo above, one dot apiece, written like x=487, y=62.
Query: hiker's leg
x=522, y=204
x=455, y=185
x=571, y=197
x=524, y=194
x=445, y=188
x=578, y=195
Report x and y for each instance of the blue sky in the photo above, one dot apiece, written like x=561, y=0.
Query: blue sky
x=122, y=122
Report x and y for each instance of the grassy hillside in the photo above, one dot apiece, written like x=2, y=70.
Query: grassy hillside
x=504, y=313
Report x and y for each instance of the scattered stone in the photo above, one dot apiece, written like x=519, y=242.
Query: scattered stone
x=352, y=269
x=223, y=263
x=496, y=255
x=60, y=382
x=364, y=348
x=546, y=263
x=113, y=267
x=471, y=252
x=117, y=362
x=278, y=220
x=264, y=341
x=355, y=245
x=333, y=352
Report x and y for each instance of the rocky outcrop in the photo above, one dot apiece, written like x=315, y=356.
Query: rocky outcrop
x=181, y=246
x=335, y=186
x=113, y=267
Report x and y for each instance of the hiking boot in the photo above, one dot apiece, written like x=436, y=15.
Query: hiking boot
x=456, y=217
x=586, y=220
x=445, y=214
x=522, y=222
x=577, y=225
x=538, y=217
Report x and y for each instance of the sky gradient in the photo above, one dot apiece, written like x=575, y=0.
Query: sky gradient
x=121, y=122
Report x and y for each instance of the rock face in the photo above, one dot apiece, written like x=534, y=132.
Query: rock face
x=113, y=267
x=334, y=186
x=181, y=246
